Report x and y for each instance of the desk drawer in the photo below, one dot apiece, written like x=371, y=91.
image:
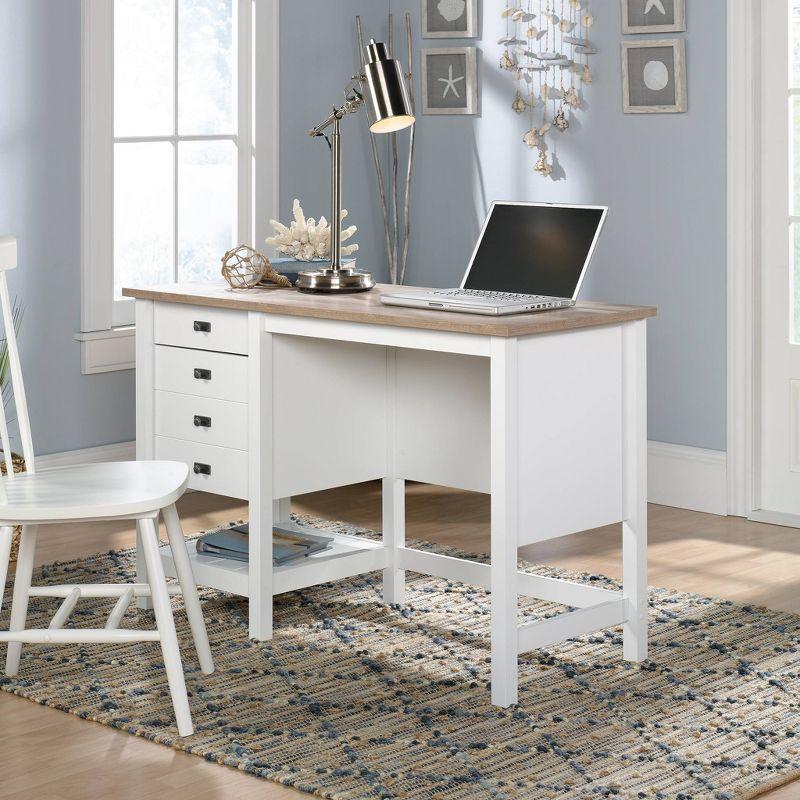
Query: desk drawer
x=218, y=329
x=222, y=376
x=201, y=419
x=218, y=470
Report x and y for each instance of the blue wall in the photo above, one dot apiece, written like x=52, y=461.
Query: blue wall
x=662, y=175
x=40, y=94
x=318, y=58
x=40, y=91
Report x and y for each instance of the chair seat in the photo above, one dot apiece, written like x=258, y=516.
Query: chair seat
x=94, y=491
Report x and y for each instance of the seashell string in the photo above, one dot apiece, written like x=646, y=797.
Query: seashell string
x=546, y=53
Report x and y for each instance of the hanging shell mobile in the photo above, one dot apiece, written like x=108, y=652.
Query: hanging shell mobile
x=546, y=53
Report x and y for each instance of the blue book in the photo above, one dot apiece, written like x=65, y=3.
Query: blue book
x=290, y=542
x=291, y=266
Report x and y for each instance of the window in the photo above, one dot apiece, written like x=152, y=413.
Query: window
x=172, y=146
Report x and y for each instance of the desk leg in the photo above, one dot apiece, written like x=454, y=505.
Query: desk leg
x=259, y=584
x=634, y=482
x=282, y=509
x=504, y=408
x=394, y=536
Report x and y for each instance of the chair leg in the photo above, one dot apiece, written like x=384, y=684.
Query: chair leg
x=19, y=603
x=6, y=540
x=166, y=626
x=144, y=603
x=183, y=567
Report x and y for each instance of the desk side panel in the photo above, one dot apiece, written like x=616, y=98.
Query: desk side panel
x=570, y=432
x=329, y=401
x=442, y=419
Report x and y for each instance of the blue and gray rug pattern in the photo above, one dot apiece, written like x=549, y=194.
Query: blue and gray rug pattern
x=355, y=700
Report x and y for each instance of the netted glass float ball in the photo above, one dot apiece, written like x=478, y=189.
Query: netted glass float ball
x=244, y=267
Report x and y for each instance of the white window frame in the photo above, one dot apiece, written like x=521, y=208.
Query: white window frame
x=106, y=333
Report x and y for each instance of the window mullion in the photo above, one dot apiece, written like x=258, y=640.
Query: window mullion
x=191, y=137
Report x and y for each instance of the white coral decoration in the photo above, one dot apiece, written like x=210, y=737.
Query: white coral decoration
x=305, y=239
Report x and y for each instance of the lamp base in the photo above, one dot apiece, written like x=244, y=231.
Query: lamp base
x=334, y=281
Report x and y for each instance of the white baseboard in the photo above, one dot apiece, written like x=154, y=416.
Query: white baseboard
x=684, y=477
x=124, y=451
x=687, y=477
x=775, y=518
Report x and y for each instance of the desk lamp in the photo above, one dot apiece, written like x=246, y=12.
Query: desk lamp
x=390, y=110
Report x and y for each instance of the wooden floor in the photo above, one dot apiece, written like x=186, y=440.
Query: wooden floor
x=49, y=755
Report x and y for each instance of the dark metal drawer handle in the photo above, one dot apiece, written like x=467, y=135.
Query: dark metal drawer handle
x=202, y=469
x=202, y=327
x=202, y=422
x=202, y=374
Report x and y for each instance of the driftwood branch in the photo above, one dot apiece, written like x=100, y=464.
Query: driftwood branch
x=394, y=172
x=377, y=162
x=410, y=165
x=391, y=215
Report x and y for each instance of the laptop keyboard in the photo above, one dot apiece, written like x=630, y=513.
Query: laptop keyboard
x=485, y=294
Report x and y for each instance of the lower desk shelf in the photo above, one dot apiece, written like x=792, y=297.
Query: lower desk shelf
x=347, y=556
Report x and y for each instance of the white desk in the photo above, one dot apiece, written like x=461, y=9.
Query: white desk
x=547, y=412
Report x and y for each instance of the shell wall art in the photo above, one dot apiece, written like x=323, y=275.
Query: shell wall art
x=546, y=53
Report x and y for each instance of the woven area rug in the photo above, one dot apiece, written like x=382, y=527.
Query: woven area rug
x=354, y=700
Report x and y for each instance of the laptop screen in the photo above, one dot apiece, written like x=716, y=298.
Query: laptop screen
x=535, y=249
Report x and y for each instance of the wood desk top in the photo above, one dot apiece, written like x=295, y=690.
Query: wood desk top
x=366, y=307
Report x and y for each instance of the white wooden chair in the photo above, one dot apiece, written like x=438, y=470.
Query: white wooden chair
x=127, y=490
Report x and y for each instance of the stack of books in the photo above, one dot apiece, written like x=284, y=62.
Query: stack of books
x=290, y=542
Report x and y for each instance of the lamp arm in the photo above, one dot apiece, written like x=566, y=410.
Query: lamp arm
x=354, y=100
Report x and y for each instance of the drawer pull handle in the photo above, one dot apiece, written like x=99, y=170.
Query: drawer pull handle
x=202, y=469
x=202, y=327
x=202, y=422
x=202, y=374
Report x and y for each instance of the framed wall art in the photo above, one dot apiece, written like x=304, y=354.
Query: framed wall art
x=654, y=76
x=449, y=19
x=653, y=16
x=450, y=80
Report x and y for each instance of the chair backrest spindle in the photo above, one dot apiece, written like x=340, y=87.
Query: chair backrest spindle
x=8, y=260
x=5, y=439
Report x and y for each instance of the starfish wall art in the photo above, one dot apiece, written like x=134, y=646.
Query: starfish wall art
x=450, y=82
x=547, y=51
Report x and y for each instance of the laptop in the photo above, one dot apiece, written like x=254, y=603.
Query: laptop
x=529, y=257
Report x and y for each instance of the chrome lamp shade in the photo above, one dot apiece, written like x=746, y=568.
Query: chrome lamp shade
x=390, y=110
x=389, y=103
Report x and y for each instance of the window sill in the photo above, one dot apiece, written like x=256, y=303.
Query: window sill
x=107, y=351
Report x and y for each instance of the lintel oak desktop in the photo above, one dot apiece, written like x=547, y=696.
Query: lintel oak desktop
x=547, y=412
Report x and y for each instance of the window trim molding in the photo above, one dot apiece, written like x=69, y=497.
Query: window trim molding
x=97, y=61
x=105, y=347
x=108, y=351
x=266, y=122
x=744, y=52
